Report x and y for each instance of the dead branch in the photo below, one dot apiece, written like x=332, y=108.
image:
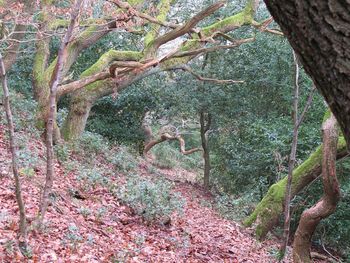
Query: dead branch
x=263, y=27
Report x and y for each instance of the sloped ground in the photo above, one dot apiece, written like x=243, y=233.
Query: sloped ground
x=112, y=233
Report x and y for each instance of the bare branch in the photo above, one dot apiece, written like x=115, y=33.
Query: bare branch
x=186, y=28
x=307, y=106
x=204, y=50
x=134, y=12
x=199, y=77
x=167, y=137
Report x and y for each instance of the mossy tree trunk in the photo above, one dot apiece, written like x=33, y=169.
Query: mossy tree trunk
x=42, y=70
x=267, y=213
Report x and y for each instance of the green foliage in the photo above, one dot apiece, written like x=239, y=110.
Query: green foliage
x=168, y=156
x=151, y=200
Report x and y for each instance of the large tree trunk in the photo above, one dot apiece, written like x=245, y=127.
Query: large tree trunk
x=267, y=213
x=205, y=145
x=319, y=32
x=327, y=204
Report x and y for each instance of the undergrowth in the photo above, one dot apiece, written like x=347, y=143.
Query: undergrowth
x=154, y=201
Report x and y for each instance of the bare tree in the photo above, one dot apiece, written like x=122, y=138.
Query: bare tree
x=297, y=120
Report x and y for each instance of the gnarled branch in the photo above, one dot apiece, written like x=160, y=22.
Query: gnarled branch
x=167, y=137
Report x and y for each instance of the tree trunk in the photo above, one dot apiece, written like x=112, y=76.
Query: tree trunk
x=75, y=122
x=327, y=204
x=205, y=145
x=319, y=32
x=267, y=213
x=22, y=235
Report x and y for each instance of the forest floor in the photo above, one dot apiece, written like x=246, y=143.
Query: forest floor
x=198, y=235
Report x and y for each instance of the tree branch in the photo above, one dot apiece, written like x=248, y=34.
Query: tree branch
x=167, y=137
x=186, y=28
x=81, y=83
x=199, y=77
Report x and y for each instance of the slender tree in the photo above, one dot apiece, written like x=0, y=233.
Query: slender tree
x=205, y=122
x=55, y=80
x=22, y=235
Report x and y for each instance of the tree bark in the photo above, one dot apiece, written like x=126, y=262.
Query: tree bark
x=327, y=204
x=319, y=32
x=205, y=145
x=267, y=213
x=22, y=235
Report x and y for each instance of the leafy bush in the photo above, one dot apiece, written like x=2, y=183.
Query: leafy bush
x=151, y=200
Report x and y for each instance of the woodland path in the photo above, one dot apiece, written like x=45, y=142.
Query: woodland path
x=199, y=235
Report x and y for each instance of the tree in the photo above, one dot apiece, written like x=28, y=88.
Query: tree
x=267, y=213
x=319, y=33
x=22, y=235
x=142, y=64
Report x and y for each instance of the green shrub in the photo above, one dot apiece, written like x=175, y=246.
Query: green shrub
x=90, y=144
x=92, y=177
x=152, y=200
x=123, y=159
